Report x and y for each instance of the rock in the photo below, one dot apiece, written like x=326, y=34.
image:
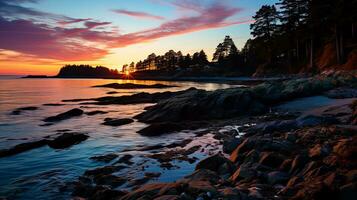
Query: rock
x=342, y=93
x=203, y=175
x=134, y=86
x=291, y=137
x=66, y=115
x=161, y=128
x=108, y=179
x=319, y=151
x=66, y=140
x=246, y=145
x=346, y=148
x=125, y=159
x=213, y=163
x=96, y=192
x=198, y=186
x=112, y=92
x=96, y=112
x=103, y=170
x=105, y=158
x=168, y=197
x=152, y=174
x=277, y=177
x=151, y=190
x=298, y=163
x=18, y=111
x=230, y=144
x=22, y=148
x=273, y=160
x=117, y=122
x=286, y=165
x=244, y=173
x=311, y=120
x=230, y=194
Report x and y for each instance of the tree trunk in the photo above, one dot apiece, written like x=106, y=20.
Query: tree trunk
x=342, y=49
x=312, y=53
x=353, y=30
x=337, y=41
x=297, y=50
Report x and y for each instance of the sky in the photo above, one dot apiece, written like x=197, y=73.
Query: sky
x=39, y=36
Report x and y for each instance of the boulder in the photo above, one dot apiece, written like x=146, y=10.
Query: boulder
x=214, y=162
x=244, y=173
x=22, y=148
x=196, y=187
x=96, y=112
x=66, y=140
x=117, y=122
x=277, y=177
x=231, y=143
x=273, y=160
x=18, y=111
x=105, y=158
x=319, y=151
x=66, y=115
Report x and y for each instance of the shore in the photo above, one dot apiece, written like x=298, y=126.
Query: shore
x=272, y=154
x=286, y=139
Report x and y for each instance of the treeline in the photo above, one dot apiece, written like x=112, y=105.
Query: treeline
x=170, y=61
x=299, y=35
x=86, y=71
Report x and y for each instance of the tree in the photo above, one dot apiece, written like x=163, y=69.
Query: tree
x=265, y=22
x=202, y=58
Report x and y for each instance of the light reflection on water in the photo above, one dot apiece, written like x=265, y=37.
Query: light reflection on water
x=44, y=172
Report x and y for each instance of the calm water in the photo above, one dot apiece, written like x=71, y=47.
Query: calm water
x=45, y=173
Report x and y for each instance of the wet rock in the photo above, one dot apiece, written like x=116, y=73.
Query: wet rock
x=22, y=148
x=346, y=148
x=342, y=93
x=142, y=97
x=168, y=197
x=112, y=92
x=151, y=190
x=96, y=192
x=152, y=174
x=54, y=104
x=244, y=173
x=203, y=175
x=277, y=177
x=230, y=194
x=117, y=122
x=66, y=140
x=108, y=179
x=96, y=112
x=298, y=163
x=134, y=86
x=230, y=144
x=105, y=158
x=18, y=111
x=66, y=115
x=125, y=159
x=273, y=160
x=161, y=128
x=214, y=163
x=319, y=151
x=246, y=145
x=103, y=170
x=311, y=120
x=197, y=186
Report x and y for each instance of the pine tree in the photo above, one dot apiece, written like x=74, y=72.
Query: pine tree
x=265, y=22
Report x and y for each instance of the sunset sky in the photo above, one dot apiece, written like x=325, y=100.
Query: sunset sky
x=39, y=36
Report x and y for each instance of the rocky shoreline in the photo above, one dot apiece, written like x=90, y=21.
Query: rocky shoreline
x=266, y=153
x=282, y=155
